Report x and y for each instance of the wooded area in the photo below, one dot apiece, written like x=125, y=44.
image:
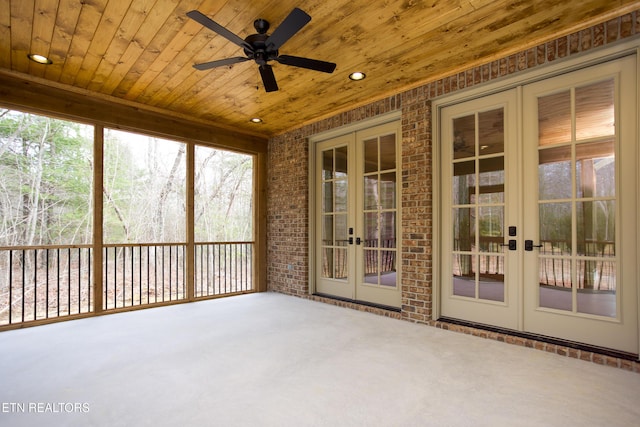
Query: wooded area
x=46, y=195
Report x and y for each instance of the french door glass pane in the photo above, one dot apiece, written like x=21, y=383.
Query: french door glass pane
x=341, y=195
x=327, y=164
x=554, y=173
x=327, y=197
x=491, y=283
x=371, y=266
x=594, y=110
x=555, y=228
x=596, y=169
x=597, y=294
x=464, y=137
x=464, y=280
x=491, y=131
x=341, y=269
x=371, y=192
x=341, y=162
x=464, y=181
x=327, y=263
x=464, y=229
x=388, y=190
x=555, y=279
x=371, y=155
x=555, y=283
x=491, y=179
x=388, y=152
x=327, y=230
x=491, y=224
x=554, y=118
x=596, y=228
x=371, y=229
x=341, y=229
x=387, y=230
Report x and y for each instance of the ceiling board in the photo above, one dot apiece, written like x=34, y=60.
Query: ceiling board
x=143, y=51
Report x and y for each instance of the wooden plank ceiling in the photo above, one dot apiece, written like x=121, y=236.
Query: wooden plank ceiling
x=142, y=51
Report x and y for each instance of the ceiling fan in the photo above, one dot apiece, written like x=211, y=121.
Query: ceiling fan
x=262, y=47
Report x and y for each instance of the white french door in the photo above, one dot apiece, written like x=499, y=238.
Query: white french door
x=357, y=216
x=539, y=215
x=580, y=259
x=480, y=209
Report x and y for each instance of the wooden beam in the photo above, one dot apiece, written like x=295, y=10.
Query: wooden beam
x=74, y=104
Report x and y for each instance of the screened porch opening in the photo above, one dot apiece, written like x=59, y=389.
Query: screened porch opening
x=97, y=219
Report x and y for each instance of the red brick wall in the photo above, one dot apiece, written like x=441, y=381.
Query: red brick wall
x=288, y=187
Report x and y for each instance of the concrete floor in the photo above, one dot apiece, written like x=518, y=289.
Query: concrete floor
x=273, y=360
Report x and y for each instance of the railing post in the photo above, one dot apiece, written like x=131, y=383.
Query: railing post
x=98, y=149
x=190, y=249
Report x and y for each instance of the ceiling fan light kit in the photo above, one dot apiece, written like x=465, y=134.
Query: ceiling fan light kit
x=262, y=47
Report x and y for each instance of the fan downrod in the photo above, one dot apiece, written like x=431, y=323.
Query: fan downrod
x=261, y=26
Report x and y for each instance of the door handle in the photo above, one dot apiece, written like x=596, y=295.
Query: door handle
x=513, y=245
x=358, y=241
x=528, y=245
x=351, y=240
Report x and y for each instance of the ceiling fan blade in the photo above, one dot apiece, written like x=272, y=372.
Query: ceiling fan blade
x=214, y=26
x=291, y=25
x=311, y=64
x=268, y=78
x=219, y=63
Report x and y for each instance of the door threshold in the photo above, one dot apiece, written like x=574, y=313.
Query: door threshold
x=359, y=302
x=546, y=339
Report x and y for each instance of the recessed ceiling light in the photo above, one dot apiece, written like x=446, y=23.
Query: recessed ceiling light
x=40, y=59
x=357, y=75
x=255, y=120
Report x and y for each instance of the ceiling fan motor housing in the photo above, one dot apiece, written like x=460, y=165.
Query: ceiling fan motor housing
x=261, y=54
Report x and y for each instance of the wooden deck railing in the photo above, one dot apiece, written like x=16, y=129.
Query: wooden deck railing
x=44, y=282
x=38, y=283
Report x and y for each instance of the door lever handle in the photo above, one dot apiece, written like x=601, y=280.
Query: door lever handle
x=358, y=241
x=513, y=245
x=528, y=245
